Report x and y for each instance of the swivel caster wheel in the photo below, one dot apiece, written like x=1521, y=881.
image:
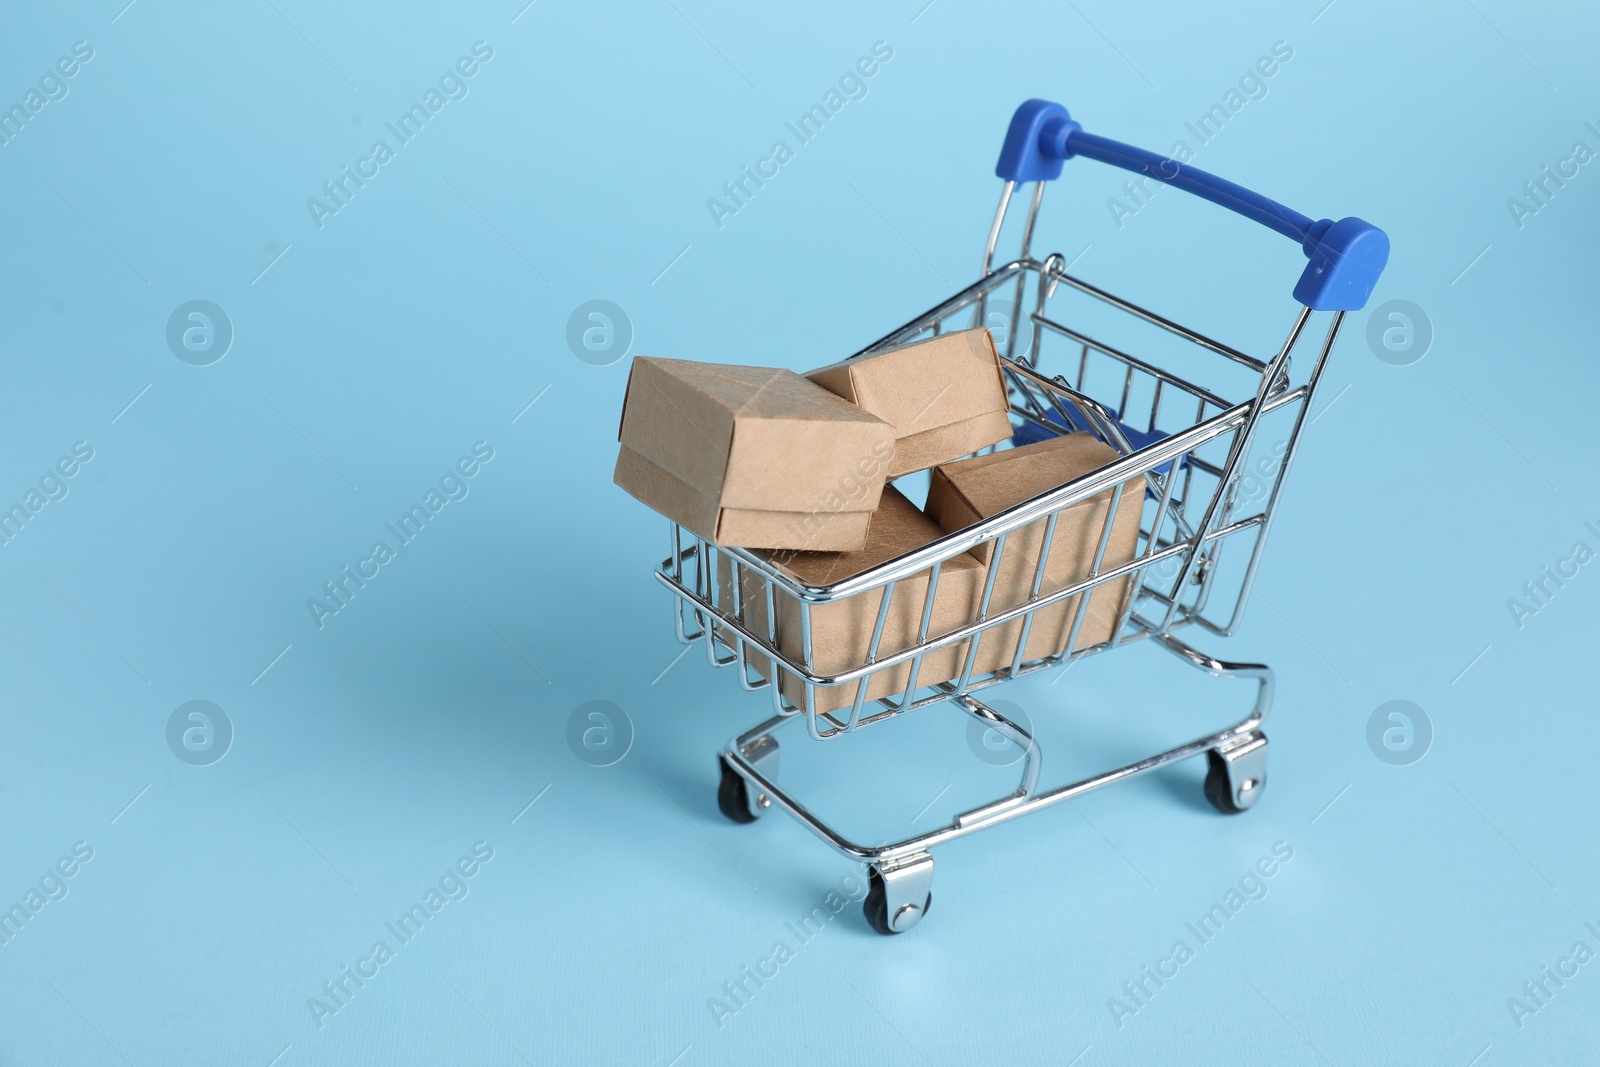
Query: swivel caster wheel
x=1236, y=773
x=735, y=797
x=898, y=895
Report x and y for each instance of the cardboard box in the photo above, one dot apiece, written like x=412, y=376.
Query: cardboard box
x=945, y=397
x=841, y=631
x=751, y=456
x=963, y=493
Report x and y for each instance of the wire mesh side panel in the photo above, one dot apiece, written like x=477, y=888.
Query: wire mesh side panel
x=1050, y=580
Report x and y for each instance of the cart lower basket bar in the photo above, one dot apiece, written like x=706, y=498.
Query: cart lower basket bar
x=1190, y=446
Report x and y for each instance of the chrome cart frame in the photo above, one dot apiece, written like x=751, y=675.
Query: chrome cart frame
x=1189, y=447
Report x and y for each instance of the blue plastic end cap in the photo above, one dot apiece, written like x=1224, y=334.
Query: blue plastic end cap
x=1346, y=259
x=1035, y=143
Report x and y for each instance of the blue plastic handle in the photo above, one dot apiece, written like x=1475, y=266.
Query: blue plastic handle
x=1346, y=257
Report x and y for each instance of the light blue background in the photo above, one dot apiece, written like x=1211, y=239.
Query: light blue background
x=427, y=314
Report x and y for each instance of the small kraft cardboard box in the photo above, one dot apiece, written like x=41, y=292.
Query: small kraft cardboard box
x=945, y=397
x=753, y=457
x=965, y=492
x=841, y=631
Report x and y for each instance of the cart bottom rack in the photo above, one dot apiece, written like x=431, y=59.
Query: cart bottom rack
x=900, y=874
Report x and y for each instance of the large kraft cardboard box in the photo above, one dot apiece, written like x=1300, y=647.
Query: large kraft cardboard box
x=945, y=397
x=751, y=456
x=841, y=631
x=965, y=492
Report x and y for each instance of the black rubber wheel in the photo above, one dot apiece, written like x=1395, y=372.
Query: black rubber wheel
x=733, y=797
x=1217, y=790
x=876, y=905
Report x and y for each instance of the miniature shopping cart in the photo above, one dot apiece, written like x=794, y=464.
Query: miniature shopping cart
x=1188, y=447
